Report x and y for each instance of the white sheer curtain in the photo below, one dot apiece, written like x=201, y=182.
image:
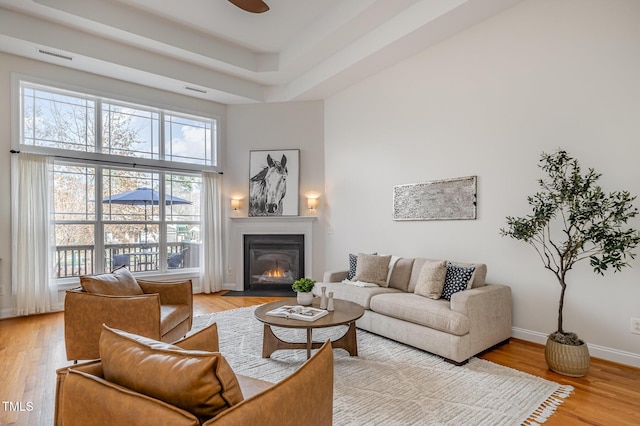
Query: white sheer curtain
x=33, y=282
x=211, y=275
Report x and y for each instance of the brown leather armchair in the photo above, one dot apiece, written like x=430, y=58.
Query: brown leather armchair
x=163, y=312
x=84, y=397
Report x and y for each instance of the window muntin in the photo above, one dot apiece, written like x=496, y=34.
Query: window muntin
x=57, y=120
x=130, y=132
x=188, y=140
x=149, y=234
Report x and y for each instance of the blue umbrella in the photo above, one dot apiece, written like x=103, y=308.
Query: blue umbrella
x=143, y=196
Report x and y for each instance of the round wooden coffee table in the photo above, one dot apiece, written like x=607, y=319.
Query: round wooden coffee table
x=345, y=313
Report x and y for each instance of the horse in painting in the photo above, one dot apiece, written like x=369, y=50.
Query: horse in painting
x=268, y=187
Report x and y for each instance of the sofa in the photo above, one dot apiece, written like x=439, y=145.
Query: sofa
x=140, y=381
x=159, y=310
x=442, y=307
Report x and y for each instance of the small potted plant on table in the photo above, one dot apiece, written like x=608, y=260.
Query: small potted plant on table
x=303, y=287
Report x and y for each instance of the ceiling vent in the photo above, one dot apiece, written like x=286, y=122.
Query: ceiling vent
x=195, y=89
x=56, y=54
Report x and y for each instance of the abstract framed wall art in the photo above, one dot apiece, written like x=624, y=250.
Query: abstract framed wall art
x=449, y=199
x=273, y=182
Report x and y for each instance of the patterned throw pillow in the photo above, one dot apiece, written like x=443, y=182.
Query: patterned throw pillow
x=457, y=279
x=353, y=264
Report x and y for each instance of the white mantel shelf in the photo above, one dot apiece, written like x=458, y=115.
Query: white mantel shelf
x=243, y=225
x=273, y=219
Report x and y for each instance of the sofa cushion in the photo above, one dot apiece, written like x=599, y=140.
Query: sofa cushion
x=458, y=278
x=436, y=314
x=401, y=274
x=120, y=282
x=431, y=279
x=372, y=269
x=197, y=381
x=352, y=293
x=479, y=276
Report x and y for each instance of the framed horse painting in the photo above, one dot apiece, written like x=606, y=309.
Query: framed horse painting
x=273, y=182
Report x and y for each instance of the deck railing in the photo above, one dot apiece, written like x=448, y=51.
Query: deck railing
x=73, y=261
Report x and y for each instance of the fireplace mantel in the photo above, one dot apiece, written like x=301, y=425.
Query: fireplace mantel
x=241, y=226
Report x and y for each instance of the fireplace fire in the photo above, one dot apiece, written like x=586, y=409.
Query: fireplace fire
x=273, y=261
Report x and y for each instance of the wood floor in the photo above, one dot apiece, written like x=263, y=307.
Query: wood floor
x=32, y=348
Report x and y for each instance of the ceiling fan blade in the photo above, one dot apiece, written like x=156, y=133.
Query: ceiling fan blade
x=253, y=6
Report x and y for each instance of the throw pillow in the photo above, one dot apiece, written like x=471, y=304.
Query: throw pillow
x=200, y=382
x=456, y=279
x=120, y=282
x=353, y=263
x=372, y=269
x=431, y=279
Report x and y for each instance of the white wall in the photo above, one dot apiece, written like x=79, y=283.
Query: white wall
x=291, y=125
x=59, y=75
x=541, y=75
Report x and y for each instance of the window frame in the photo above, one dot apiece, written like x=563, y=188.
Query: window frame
x=101, y=160
x=101, y=157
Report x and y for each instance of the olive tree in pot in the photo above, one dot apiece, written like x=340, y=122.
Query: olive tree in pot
x=574, y=220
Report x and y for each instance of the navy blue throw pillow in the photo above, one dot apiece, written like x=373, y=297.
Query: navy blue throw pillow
x=456, y=279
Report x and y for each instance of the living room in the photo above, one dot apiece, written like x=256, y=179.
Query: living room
x=485, y=102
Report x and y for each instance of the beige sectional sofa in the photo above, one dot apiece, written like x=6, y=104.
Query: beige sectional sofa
x=474, y=319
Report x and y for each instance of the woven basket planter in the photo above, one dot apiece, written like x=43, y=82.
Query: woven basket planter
x=568, y=360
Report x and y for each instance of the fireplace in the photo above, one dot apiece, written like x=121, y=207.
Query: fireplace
x=272, y=261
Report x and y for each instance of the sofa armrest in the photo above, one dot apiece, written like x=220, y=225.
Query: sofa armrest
x=488, y=309
x=334, y=276
x=103, y=402
x=84, y=314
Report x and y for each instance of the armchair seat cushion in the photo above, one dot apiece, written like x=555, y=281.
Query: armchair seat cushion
x=172, y=315
x=200, y=382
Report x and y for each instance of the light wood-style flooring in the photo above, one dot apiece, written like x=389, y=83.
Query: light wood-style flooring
x=32, y=348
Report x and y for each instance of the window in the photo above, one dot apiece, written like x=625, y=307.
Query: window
x=126, y=181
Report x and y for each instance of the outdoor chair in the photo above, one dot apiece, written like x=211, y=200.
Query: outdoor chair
x=120, y=260
x=175, y=260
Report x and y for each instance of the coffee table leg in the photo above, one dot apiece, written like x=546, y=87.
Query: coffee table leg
x=271, y=342
x=349, y=342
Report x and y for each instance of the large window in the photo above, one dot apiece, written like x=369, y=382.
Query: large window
x=126, y=182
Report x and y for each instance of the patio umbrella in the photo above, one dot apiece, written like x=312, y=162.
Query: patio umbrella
x=143, y=196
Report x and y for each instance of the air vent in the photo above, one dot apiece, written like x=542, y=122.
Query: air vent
x=195, y=89
x=56, y=54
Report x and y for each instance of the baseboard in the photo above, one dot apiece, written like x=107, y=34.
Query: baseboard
x=596, y=351
x=8, y=312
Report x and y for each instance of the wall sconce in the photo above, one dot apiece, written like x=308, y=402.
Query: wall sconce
x=312, y=203
x=235, y=204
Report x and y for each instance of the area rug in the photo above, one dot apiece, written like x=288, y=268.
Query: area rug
x=389, y=383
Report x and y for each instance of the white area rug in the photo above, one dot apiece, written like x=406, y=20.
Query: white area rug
x=389, y=383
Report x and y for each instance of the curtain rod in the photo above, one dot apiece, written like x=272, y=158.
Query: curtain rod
x=13, y=151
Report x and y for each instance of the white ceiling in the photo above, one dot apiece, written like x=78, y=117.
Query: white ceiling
x=298, y=50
